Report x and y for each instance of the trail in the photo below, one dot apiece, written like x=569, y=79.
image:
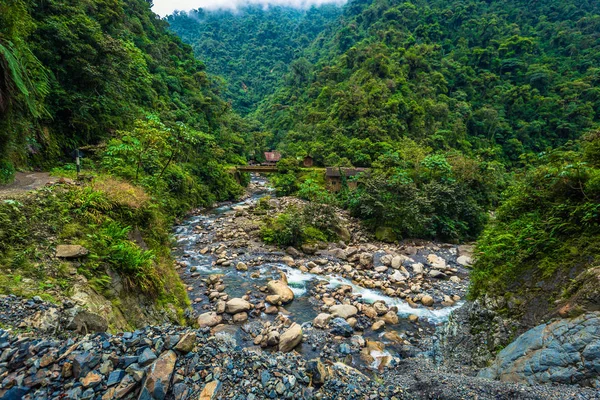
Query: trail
x=24, y=182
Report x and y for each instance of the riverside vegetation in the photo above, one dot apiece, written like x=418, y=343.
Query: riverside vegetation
x=464, y=254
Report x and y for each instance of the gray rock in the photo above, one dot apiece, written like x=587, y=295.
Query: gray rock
x=564, y=351
x=339, y=326
x=83, y=321
x=147, y=357
x=115, y=377
x=158, y=379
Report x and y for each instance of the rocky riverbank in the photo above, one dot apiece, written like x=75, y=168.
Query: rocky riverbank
x=172, y=362
x=356, y=319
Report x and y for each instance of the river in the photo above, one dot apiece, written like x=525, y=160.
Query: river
x=203, y=244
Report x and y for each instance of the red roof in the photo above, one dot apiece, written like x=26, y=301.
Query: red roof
x=272, y=156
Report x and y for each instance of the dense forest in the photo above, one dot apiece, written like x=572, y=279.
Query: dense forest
x=495, y=80
x=251, y=47
x=109, y=73
x=107, y=77
x=450, y=103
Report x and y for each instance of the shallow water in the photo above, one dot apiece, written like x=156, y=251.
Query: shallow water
x=304, y=308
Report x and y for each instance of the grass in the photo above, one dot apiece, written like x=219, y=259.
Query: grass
x=124, y=230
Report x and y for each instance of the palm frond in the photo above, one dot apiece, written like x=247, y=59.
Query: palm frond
x=15, y=81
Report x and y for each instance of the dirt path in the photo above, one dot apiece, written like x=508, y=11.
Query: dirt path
x=24, y=182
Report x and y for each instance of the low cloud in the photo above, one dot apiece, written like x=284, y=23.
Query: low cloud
x=166, y=7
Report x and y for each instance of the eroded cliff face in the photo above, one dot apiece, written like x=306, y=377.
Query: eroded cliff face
x=542, y=336
x=58, y=245
x=562, y=351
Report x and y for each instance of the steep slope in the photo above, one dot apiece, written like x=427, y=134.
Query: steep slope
x=251, y=47
x=105, y=76
x=494, y=79
x=77, y=73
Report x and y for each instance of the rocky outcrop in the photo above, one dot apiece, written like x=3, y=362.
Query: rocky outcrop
x=563, y=351
x=472, y=336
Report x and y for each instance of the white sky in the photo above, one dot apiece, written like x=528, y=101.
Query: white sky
x=166, y=7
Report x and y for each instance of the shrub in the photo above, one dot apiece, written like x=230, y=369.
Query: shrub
x=295, y=227
x=285, y=184
x=7, y=172
x=431, y=196
x=549, y=222
x=312, y=191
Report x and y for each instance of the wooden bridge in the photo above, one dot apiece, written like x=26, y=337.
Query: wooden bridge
x=257, y=168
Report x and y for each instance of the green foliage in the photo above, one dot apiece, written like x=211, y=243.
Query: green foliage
x=549, y=222
x=285, y=184
x=7, y=172
x=285, y=230
x=252, y=47
x=311, y=224
x=288, y=165
x=112, y=247
x=311, y=190
x=23, y=81
x=495, y=80
x=176, y=164
x=426, y=195
x=125, y=232
x=79, y=74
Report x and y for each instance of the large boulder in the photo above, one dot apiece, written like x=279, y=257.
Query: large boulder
x=293, y=252
x=366, y=259
x=322, y=320
x=290, y=338
x=464, y=260
x=436, y=262
x=280, y=288
x=186, y=343
x=237, y=305
x=343, y=233
x=317, y=371
x=397, y=261
x=343, y=311
x=210, y=391
x=83, y=321
x=340, y=326
x=427, y=300
x=565, y=351
x=209, y=319
x=158, y=377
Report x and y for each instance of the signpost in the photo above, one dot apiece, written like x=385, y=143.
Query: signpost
x=78, y=162
x=78, y=155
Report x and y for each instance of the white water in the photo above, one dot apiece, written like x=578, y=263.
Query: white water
x=298, y=279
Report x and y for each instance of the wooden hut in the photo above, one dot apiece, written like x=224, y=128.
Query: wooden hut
x=272, y=157
x=307, y=162
x=335, y=175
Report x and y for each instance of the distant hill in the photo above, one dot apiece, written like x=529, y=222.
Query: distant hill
x=252, y=47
